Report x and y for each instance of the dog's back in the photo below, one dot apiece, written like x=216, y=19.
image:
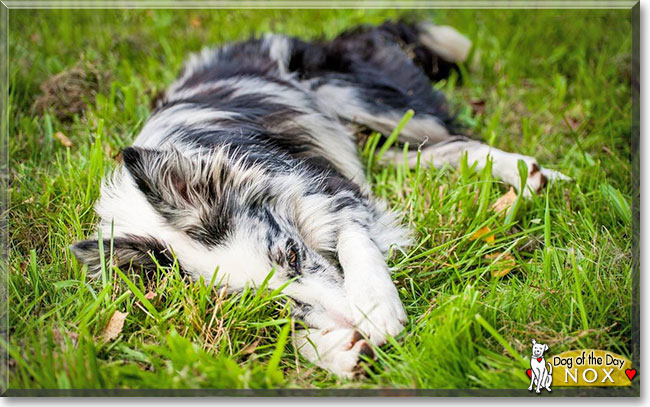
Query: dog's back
x=280, y=97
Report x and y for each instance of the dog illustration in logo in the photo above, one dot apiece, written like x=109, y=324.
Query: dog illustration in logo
x=540, y=376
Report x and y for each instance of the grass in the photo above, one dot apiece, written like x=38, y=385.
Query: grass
x=552, y=84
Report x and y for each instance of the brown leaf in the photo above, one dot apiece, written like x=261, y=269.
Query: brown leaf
x=251, y=348
x=195, y=22
x=506, y=263
x=574, y=124
x=59, y=337
x=150, y=295
x=478, y=106
x=115, y=325
x=482, y=232
x=574, y=117
x=502, y=272
x=63, y=139
x=505, y=202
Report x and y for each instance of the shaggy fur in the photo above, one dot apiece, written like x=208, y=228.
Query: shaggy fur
x=248, y=164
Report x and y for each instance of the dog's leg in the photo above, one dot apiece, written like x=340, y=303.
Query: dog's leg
x=384, y=80
x=438, y=145
x=532, y=379
x=504, y=164
x=549, y=376
x=372, y=76
x=337, y=350
x=375, y=304
x=540, y=379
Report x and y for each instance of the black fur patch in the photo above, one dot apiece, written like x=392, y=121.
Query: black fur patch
x=130, y=250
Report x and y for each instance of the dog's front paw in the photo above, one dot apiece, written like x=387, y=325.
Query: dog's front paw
x=340, y=350
x=381, y=322
x=378, y=315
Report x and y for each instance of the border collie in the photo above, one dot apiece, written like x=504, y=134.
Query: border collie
x=248, y=164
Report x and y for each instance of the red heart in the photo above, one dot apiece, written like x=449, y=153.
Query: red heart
x=630, y=373
x=539, y=359
x=529, y=372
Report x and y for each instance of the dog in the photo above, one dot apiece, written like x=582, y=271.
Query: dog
x=541, y=377
x=248, y=164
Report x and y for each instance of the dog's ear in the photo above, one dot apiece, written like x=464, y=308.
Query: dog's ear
x=164, y=177
x=130, y=250
x=545, y=347
x=194, y=194
x=534, y=341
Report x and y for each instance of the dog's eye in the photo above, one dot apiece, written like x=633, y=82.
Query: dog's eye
x=292, y=255
x=292, y=258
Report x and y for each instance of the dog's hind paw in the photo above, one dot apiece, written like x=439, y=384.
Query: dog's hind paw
x=505, y=167
x=553, y=175
x=539, y=177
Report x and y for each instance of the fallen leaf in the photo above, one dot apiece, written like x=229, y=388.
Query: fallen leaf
x=195, y=22
x=506, y=263
x=505, y=202
x=478, y=106
x=251, y=348
x=494, y=255
x=482, y=232
x=150, y=295
x=115, y=325
x=502, y=272
x=63, y=139
x=572, y=123
x=60, y=337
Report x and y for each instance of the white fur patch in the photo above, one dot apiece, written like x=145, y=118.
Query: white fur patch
x=375, y=303
x=279, y=50
x=445, y=41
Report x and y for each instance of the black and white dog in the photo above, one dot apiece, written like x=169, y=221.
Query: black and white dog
x=248, y=163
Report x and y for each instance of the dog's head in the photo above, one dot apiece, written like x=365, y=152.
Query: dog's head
x=210, y=212
x=539, y=349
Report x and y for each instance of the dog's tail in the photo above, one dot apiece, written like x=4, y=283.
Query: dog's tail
x=437, y=49
x=550, y=368
x=444, y=41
